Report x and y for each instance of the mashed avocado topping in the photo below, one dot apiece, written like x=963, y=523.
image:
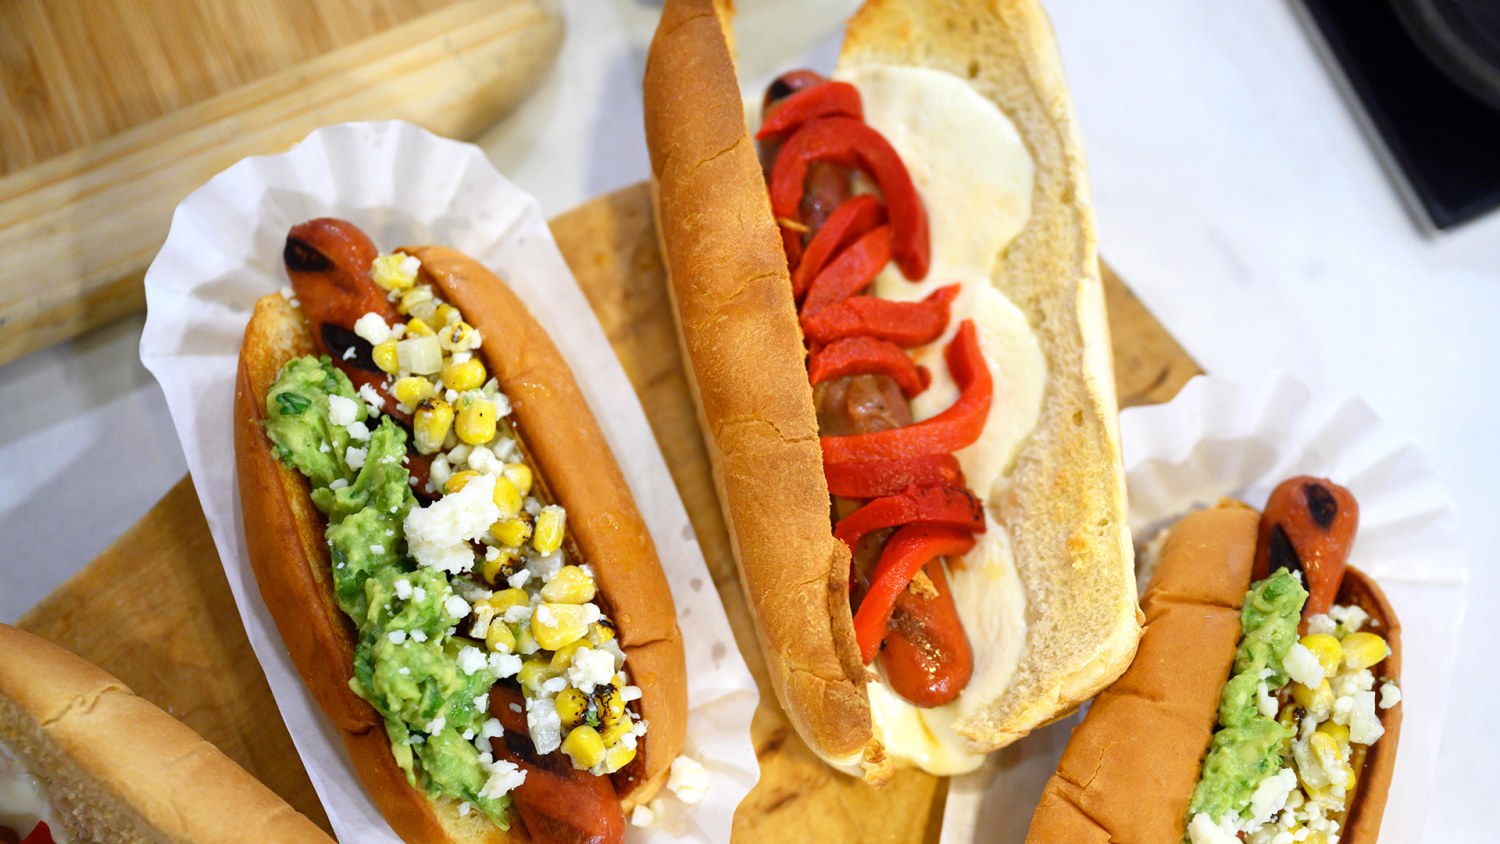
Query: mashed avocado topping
x=432, y=694
x=1246, y=749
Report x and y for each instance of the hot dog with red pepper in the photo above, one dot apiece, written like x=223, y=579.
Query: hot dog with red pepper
x=890, y=312
x=449, y=550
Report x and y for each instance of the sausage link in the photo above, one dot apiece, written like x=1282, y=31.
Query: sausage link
x=1308, y=527
x=828, y=185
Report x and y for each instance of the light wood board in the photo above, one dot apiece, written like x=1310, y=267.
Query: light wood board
x=155, y=610
x=114, y=110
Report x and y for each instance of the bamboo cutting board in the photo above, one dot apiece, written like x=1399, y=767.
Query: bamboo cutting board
x=115, y=109
x=154, y=609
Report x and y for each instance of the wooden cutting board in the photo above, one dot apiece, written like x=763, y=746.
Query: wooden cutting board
x=113, y=110
x=155, y=610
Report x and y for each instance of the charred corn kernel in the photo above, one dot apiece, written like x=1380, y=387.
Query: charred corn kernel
x=571, y=585
x=1287, y=717
x=564, y=655
x=499, y=637
x=610, y=703
x=549, y=529
x=444, y=314
x=556, y=625
x=476, y=421
x=617, y=757
x=459, y=480
x=600, y=632
x=534, y=672
x=411, y=390
x=457, y=337
x=384, y=354
x=1362, y=650
x=584, y=746
x=396, y=271
x=417, y=327
x=507, y=498
x=412, y=298
x=1327, y=649
x=519, y=474
x=507, y=598
x=465, y=375
x=505, y=564
x=613, y=734
x=1339, y=733
x=1317, y=701
x=513, y=532
x=572, y=707
x=431, y=424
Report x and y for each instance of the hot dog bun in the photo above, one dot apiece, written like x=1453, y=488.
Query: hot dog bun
x=1129, y=770
x=116, y=768
x=284, y=534
x=744, y=348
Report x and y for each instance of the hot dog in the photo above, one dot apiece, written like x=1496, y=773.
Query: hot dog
x=889, y=306
x=449, y=550
x=1237, y=728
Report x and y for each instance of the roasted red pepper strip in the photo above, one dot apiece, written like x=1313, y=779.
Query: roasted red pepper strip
x=846, y=224
x=867, y=356
x=888, y=477
x=943, y=505
x=40, y=834
x=908, y=550
x=907, y=324
x=851, y=272
x=850, y=143
x=830, y=99
x=958, y=426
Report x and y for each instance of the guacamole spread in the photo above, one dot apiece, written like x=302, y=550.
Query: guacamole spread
x=1246, y=749
x=407, y=662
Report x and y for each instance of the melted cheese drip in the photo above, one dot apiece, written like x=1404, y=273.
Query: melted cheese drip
x=941, y=126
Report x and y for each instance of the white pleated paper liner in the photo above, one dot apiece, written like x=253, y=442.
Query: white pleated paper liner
x=403, y=185
x=1226, y=438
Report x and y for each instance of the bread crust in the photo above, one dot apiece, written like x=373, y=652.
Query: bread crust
x=1147, y=733
x=117, y=768
x=284, y=536
x=743, y=349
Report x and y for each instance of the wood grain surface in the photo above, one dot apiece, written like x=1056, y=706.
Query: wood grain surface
x=155, y=610
x=114, y=111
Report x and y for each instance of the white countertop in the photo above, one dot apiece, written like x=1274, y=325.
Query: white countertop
x=1234, y=190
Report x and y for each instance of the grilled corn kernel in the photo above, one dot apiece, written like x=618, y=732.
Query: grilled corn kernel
x=499, y=637
x=507, y=498
x=412, y=298
x=513, y=532
x=1315, y=836
x=1327, y=649
x=519, y=474
x=1362, y=650
x=444, y=314
x=525, y=642
x=507, y=598
x=464, y=375
x=556, y=625
x=610, y=703
x=572, y=707
x=384, y=354
x=613, y=734
x=549, y=529
x=457, y=337
x=476, y=421
x=431, y=424
x=459, y=480
x=584, y=746
x=396, y=271
x=534, y=672
x=505, y=564
x=411, y=390
x=617, y=757
x=600, y=632
x=1318, y=702
x=417, y=327
x=564, y=655
x=1339, y=733
x=571, y=585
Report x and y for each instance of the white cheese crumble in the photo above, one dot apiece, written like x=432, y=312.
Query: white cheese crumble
x=504, y=778
x=341, y=411
x=372, y=329
x=642, y=816
x=504, y=665
x=355, y=457
x=372, y=398
x=403, y=588
x=358, y=430
x=436, y=725
x=591, y=669
x=1270, y=797
x=517, y=614
x=1302, y=665
x=396, y=636
x=1364, y=724
x=438, y=535
x=338, y=484
x=418, y=636
x=544, y=724
x=471, y=659
x=463, y=809
x=554, y=685
x=456, y=607
x=689, y=779
x=630, y=693
x=1203, y=830
x=519, y=579
x=1264, y=701
x=1390, y=695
